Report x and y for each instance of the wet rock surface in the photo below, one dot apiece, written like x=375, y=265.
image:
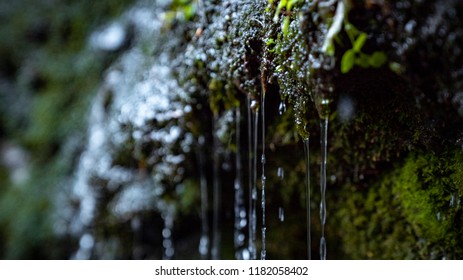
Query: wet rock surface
x=386, y=74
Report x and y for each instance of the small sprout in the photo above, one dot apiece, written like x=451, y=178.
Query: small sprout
x=347, y=61
x=360, y=41
x=355, y=56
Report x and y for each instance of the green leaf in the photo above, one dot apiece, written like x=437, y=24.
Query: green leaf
x=377, y=59
x=360, y=41
x=347, y=61
x=363, y=60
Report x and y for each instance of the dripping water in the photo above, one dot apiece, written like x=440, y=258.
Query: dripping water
x=204, y=240
x=307, y=197
x=239, y=207
x=167, y=243
x=253, y=119
x=215, y=250
x=264, y=227
x=281, y=210
x=324, y=144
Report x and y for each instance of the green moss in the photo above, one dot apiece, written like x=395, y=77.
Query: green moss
x=413, y=212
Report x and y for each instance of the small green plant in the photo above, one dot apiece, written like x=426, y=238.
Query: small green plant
x=287, y=5
x=180, y=9
x=355, y=56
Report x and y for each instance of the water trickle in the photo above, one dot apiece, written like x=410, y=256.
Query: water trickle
x=239, y=206
x=307, y=197
x=167, y=243
x=253, y=121
x=324, y=144
x=281, y=210
x=216, y=234
x=204, y=240
x=263, y=179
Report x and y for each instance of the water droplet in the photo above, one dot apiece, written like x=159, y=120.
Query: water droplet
x=254, y=106
x=281, y=214
x=280, y=173
x=166, y=233
x=86, y=241
x=346, y=109
x=245, y=254
x=282, y=108
x=204, y=245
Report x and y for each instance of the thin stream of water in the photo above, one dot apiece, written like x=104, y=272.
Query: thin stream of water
x=324, y=144
x=307, y=197
x=251, y=241
x=253, y=120
x=263, y=253
x=204, y=240
x=216, y=237
x=281, y=177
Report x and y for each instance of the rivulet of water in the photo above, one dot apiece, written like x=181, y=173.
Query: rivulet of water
x=307, y=197
x=263, y=180
x=253, y=114
x=324, y=144
x=204, y=240
x=217, y=194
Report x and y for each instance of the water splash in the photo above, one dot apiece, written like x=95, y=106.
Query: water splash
x=307, y=197
x=204, y=240
x=216, y=233
x=324, y=144
x=239, y=207
x=263, y=180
